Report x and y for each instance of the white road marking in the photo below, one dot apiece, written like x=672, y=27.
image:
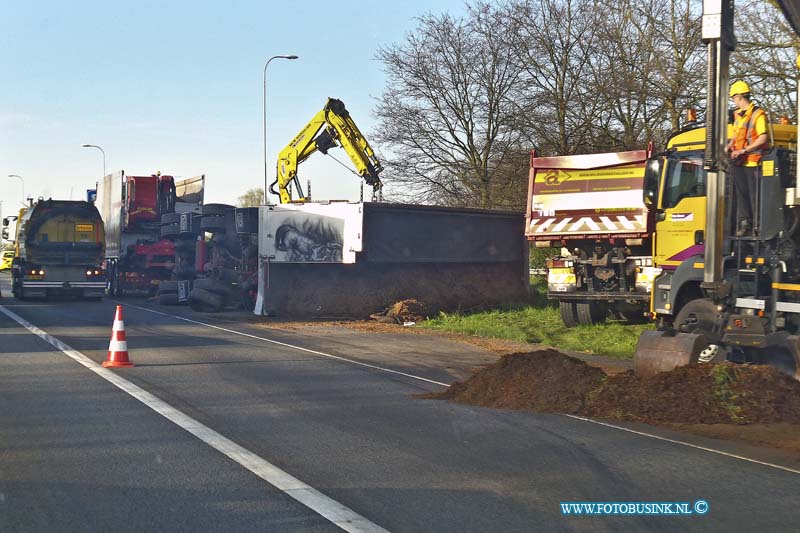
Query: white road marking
x=620, y=428
x=338, y=514
x=690, y=445
x=315, y=352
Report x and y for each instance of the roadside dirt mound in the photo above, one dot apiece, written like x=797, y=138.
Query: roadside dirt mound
x=701, y=394
x=548, y=381
x=410, y=310
x=545, y=381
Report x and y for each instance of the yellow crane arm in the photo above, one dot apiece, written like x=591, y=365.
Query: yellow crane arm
x=340, y=130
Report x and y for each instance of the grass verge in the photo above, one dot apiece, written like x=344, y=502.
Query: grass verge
x=540, y=323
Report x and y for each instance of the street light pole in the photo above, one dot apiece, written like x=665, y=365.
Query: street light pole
x=23, y=186
x=104, y=155
x=265, y=117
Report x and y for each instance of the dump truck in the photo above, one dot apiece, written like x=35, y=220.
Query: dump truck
x=59, y=250
x=590, y=212
x=137, y=258
x=723, y=295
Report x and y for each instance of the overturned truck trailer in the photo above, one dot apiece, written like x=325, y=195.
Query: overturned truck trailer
x=353, y=259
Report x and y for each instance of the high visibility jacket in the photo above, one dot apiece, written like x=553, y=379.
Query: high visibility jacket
x=748, y=125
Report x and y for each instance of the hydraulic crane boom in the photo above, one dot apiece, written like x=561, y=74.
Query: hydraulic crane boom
x=340, y=130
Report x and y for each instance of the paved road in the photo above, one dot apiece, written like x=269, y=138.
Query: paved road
x=80, y=454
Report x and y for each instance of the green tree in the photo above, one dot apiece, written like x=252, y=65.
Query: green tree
x=251, y=198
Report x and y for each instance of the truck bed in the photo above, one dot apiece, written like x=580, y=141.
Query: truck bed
x=587, y=196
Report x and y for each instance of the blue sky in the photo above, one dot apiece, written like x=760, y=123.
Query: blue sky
x=177, y=87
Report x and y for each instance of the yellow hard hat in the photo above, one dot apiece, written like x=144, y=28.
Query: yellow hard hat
x=739, y=87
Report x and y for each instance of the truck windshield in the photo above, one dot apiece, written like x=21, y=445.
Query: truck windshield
x=685, y=178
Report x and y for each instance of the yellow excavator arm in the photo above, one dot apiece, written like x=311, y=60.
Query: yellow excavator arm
x=340, y=130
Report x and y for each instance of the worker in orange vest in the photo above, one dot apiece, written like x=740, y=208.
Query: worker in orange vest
x=745, y=147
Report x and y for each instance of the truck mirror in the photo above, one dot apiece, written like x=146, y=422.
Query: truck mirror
x=5, y=221
x=5, y=233
x=652, y=174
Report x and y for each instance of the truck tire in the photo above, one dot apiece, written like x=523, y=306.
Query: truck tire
x=205, y=301
x=217, y=209
x=212, y=285
x=170, y=218
x=569, y=313
x=168, y=230
x=168, y=287
x=168, y=298
x=213, y=224
x=590, y=313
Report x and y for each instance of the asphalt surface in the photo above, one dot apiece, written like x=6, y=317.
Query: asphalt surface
x=78, y=454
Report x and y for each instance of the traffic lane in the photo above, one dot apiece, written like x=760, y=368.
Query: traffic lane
x=78, y=454
x=432, y=357
x=238, y=390
x=86, y=326
x=230, y=391
x=356, y=435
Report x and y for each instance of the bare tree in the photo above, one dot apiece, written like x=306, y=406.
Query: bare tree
x=765, y=56
x=446, y=118
x=678, y=74
x=467, y=98
x=554, y=44
x=251, y=198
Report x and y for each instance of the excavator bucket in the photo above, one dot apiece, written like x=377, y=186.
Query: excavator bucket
x=661, y=351
x=783, y=352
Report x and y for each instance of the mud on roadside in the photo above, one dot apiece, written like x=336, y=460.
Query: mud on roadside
x=735, y=402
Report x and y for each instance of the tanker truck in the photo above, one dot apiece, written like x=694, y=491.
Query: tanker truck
x=59, y=250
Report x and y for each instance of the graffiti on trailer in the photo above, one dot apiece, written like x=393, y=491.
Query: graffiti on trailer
x=309, y=241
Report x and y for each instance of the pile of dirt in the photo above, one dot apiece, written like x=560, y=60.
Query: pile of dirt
x=701, y=394
x=549, y=381
x=544, y=381
x=404, y=311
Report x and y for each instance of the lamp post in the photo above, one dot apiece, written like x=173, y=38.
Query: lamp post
x=101, y=150
x=23, y=185
x=265, y=117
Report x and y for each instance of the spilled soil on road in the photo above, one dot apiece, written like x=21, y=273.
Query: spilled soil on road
x=551, y=382
x=724, y=401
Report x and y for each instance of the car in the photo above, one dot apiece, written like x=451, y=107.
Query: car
x=5, y=259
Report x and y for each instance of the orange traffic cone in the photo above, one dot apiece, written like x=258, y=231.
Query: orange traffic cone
x=118, y=347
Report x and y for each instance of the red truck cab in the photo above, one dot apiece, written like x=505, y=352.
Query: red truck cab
x=147, y=198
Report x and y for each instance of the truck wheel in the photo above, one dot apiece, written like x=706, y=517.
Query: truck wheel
x=168, y=230
x=590, y=313
x=170, y=218
x=217, y=209
x=213, y=224
x=168, y=298
x=211, y=285
x=205, y=301
x=569, y=314
x=168, y=287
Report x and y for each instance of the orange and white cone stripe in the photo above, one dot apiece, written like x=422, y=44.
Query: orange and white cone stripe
x=118, y=346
